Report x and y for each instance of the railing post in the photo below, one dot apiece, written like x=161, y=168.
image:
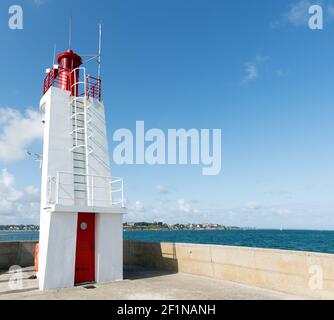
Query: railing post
x=110, y=191
x=87, y=87
x=49, y=191
x=123, y=204
x=92, y=191
x=57, y=187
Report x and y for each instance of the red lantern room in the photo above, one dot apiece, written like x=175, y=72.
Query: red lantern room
x=67, y=78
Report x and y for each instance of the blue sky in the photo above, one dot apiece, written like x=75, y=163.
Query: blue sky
x=251, y=68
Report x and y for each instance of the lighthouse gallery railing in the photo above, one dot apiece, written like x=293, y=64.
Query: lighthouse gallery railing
x=96, y=191
x=59, y=78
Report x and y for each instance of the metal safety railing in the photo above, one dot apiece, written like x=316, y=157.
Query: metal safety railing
x=78, y=82
x=85, y=190
x=56, y=78
x=67, y=79
x=93, y=87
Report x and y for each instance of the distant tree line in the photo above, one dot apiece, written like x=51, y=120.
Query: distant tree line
x=136, y=226
x=21, y=227
x=164, y=226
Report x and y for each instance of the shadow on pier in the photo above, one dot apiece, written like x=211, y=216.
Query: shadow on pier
x=149, y=260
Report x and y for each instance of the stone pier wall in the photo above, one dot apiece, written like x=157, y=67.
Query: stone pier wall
x=300, y=273
x=20, y=253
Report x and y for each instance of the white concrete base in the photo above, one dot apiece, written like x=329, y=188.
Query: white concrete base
x=109, y=247
x=58, y=249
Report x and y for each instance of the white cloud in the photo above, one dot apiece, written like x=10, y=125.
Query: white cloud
x=17, y=132
x=39, y=2
x=281, y=73
x=330, y=10
x=251, y=72
x=253, y=205
x=184, y=206
x=161, y=189
x=297, y=13
x=138, y=207
x=285, y=215
x=253, y=214
x=17, y=207
x=281, y=211
x=32, y=193
x=167, y=211
x=252, y=68
x=7, y=180
x=260, y=59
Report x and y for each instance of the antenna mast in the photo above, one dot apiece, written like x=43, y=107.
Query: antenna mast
x=70, y=33
x=54, y=54
x=99, y=59
x=96, y=57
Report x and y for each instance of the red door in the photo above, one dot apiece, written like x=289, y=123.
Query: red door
x=85, y=252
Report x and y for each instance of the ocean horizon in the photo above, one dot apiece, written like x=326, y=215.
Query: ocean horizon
x=297, y=240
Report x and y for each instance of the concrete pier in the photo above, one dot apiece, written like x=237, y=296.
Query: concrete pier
x=299, y=273
x=144, y=284
x=187, y=271
x=19, y=253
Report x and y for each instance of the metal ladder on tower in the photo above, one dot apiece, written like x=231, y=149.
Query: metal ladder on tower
x=80, y=123
x=83, y=140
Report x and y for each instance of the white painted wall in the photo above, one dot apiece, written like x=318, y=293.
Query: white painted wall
x=99, y=163
x=59, y=270
x=58, y=231
x=99, y=141
x=109, y=247
x=57, y=141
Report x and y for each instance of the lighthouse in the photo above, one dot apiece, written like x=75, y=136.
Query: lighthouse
x=82, y=205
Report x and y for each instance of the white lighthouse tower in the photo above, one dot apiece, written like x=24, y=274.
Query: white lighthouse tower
x=82, y=206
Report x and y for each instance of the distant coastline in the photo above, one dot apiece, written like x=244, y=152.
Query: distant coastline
x=19, y=228
x=137, y=226
x=160, y=226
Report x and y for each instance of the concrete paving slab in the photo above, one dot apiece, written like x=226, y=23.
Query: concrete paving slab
x=142, y=284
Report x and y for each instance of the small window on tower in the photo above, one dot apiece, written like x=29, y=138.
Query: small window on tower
x=43, y=106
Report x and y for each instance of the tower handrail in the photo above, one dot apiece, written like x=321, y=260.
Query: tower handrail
x=92, y=85
x=76, y=82
x=65, y=191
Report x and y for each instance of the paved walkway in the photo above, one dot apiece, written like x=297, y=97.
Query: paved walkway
x=143, y=284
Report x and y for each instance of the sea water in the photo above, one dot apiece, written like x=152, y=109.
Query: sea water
x=313, y=241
